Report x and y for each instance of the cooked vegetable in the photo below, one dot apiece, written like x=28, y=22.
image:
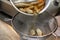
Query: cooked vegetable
x=29, y=10
x=32, y=32
x=22, y=9
x=40, y=1
x=39, y=32
x=19, y=5
x=32, y=7
x=36, y=32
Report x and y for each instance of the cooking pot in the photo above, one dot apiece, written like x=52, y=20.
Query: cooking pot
x=46, y=22
x=47, y=3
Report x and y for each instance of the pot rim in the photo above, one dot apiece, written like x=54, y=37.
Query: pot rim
x=36, y=36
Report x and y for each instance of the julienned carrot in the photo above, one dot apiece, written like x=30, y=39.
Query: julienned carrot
x=40, y=0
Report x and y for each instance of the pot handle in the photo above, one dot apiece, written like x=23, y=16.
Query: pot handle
x=56, y=3
x=7, y=19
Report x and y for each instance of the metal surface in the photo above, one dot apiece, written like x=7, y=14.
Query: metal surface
x=45, y=22
x=8, y=8
x=2, y=16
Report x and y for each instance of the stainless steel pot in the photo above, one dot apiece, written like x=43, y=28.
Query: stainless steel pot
x=47, y=3
x=46, y=22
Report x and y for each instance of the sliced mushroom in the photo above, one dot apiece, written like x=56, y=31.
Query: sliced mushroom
x=39, y=32
x=22, y=5
x=28, y=10
x=41, y=4
x=40, y=8
x=32, y=32
x=21, y=9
